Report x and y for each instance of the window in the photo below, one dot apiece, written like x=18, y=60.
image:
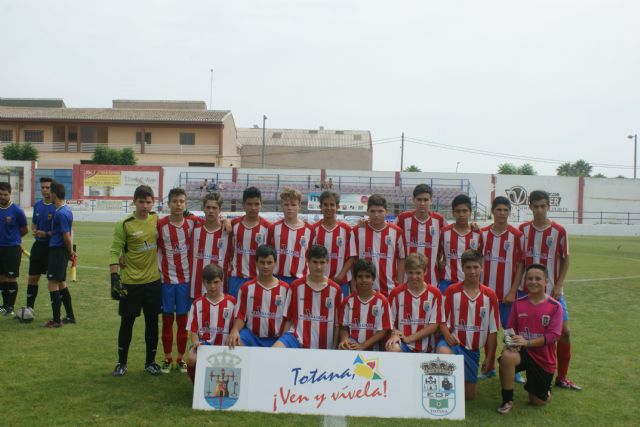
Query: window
x=357, y=137
x=147, y=137
x=187, y=138
x=33, y=136
x=203, y=164
x=6, y=135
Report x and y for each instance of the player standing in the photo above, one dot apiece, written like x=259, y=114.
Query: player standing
x=13, y=225
x=546, y=242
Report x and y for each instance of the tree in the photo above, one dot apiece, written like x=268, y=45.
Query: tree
x=128, y=156
x=20, y=151
x=577, y=168
x=527, y=169
x=104, y=155
x=599, y=175
x=507, y=169
x=412, y=168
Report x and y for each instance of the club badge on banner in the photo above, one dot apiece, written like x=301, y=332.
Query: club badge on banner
x=329, y=382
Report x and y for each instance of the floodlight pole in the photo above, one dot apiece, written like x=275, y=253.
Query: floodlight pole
x=264, y=120
x=402, y=154
x=635, y=152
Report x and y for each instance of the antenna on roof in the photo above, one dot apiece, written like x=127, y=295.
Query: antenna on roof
x=256, y=127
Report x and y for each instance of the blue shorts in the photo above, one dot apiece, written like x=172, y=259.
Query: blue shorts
x=249, y=339
x=405, y=348
x=346, y=289
x=471, y=360
x=565, y=312
x=175, y=298
x=234, y=283
x=287, y=279
x=289, y=340
x=443, y=285
x=505, y=310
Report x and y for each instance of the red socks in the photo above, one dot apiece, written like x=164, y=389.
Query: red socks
x=182, y=335
x=167, y=333
x=564, y=356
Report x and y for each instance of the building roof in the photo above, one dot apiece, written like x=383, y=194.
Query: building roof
x=32, y=102
x=320, y=138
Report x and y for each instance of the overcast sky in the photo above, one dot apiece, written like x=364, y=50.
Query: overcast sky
x=555, y=80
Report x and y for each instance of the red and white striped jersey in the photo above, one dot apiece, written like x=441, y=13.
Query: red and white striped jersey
x=314, y=313
x=452, y=246
x=502, y=254
x=336, y=241
x=471, y=320
x=546, y=247
x=207, y=248
x=410, y=313
x=245, y=242
x=211, y=321
x=423, y=237
x=291, y=247
x=173, y=249
x=262, y=309
x=384, y=248
x=365, y=318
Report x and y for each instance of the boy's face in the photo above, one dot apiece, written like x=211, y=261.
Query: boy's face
x=290, y=208
x=329, y=208
x=539, y=208
x=252, y=206
x=422, y=203
x=211, y=210
x=5, y=197
x=536, y=281
x=364, y=281
x=143, y=205
x=177, y=204
x=461, y=213
x=415, y=276
x=45, y=190
x=266, y=265
x=376, y=215
x=317, y=265
x=472, y=270
x=501, y=214
x=213, y=286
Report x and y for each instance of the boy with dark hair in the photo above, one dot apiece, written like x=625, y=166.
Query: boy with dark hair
x=135, y=240
x=457, y=238
x=422, y=229
x=174, y=244
x=382, y=244
x=365, y=318
x=311, y=316
x=249, y=232
x=546, y=242
x=291, y=237
x=211, y=315
x=536, y=324
x=13, y=225
x=416, y=310
x=261, y=305
x=471, y=313
x=335, y=236
x=60, y=252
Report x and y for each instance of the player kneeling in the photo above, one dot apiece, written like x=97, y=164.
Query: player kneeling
x=312, y=307
x=534, y=327
x=260, y=307
x=364, y=319
x=211, y=315
x=416, y=309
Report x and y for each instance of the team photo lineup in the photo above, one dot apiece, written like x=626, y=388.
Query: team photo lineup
x=416, y=284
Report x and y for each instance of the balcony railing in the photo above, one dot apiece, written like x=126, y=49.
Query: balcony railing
x=89, y=147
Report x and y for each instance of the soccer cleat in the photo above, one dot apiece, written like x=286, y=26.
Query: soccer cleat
x=505, y=408
x=3, y=310
x=51, y=324
x=567, y=384
x=120, y=370
x=9, y=313
x=69, y=320
x=153, y=368
x=182, y=366
x=519, y=378
x=487, y=375
x=166, y=366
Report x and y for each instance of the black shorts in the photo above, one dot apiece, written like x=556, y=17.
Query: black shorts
x=10, y=261
x=57, y=264
x=538, y=380
x=147, y=297
x=39, y=260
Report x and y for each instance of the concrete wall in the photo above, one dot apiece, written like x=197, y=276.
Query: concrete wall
x=305, y=157
x=229, y=153
x=21, y=192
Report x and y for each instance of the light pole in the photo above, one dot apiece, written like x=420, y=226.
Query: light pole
x=264, y=121
x=457, y=164
x=635, y=152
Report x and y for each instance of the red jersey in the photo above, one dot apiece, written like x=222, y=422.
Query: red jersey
x=531, y=321
x=453, y=245
x=411, y=313
x=384, y=248
x=211, y=321
x=262, y=309
x=291, y=247
x=365, y=318
x=207, y=248
x=174, y=243
x=314, y=313
x=545, y=246
x=502, y=254
x=471, y=320
x=423, y=237
x=245, y=242
x=336, y=241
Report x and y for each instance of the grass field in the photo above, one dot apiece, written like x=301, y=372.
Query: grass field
x=63, y=376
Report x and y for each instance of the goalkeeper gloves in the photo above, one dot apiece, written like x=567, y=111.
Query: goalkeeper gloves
x=117, y=290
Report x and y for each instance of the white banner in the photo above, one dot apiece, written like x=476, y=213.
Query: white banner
x=348, y=202
x=330, y=382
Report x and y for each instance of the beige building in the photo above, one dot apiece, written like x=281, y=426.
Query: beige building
x=306, y=148
x=175, y=133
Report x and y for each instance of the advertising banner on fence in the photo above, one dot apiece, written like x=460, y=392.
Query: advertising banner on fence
x=330, y=382
x=348, y=202
x=114, y=182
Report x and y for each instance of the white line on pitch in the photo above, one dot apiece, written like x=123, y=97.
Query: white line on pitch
x=603, y=279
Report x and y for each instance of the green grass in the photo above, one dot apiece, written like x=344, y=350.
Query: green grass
x=63, y=376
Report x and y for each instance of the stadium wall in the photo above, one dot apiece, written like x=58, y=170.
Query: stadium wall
x=20, y=175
